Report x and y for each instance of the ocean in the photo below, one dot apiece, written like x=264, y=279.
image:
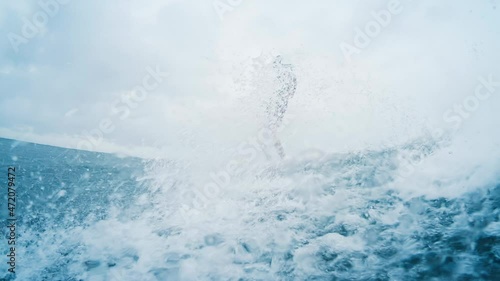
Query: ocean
x=96, y=216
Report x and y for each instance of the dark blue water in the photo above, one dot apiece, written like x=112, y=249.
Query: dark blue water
x=93, y=216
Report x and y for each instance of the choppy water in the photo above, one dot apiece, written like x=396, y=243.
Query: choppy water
x=94, y=216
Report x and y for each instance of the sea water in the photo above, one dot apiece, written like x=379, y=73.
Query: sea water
x=351, y=216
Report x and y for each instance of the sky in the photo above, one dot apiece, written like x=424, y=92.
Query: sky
x=68, y=69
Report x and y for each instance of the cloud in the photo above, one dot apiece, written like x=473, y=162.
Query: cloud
x=91, y=53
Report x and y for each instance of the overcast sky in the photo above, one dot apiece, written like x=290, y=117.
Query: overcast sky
x=65, y=80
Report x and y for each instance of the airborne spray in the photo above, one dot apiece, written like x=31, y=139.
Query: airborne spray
x=277, y=106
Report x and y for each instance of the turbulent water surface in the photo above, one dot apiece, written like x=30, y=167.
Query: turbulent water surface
x=94, y=216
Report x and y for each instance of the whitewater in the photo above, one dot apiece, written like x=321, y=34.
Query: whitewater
x=336, y=217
